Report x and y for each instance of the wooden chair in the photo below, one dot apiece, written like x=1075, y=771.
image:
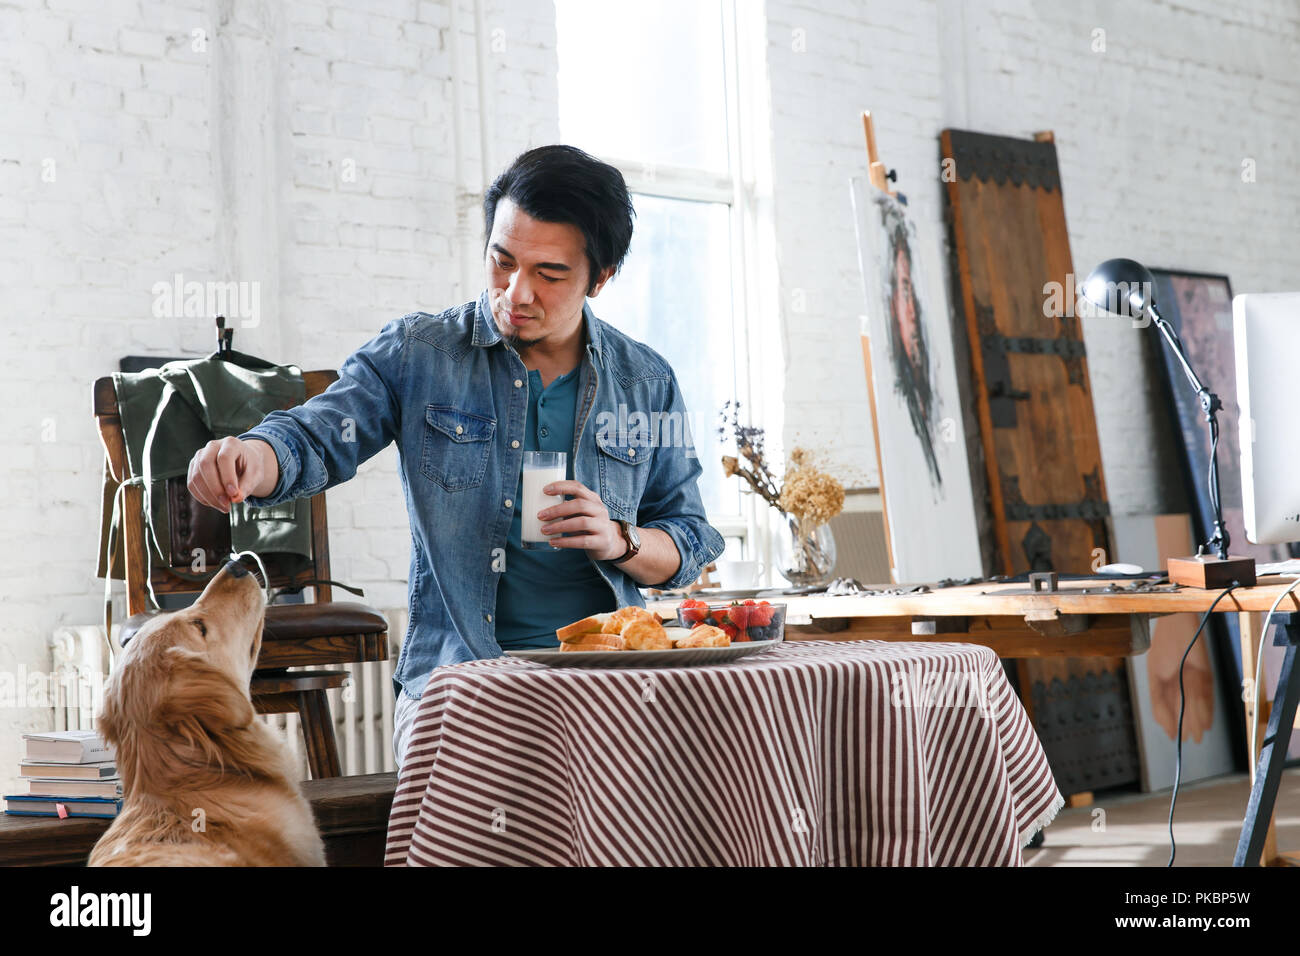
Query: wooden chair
x=323, y=632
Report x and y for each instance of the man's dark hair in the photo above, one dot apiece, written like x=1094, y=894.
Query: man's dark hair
x=564, y=184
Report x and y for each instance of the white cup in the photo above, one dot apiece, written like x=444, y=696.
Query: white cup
x=739, y=575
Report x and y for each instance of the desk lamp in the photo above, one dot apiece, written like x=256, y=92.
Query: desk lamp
x=1126, y=288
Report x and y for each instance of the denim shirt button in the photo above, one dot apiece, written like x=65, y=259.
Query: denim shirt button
x=489, y=618
x=514, y=444
x=509, y=503
x=631, y=453
x=519, y=383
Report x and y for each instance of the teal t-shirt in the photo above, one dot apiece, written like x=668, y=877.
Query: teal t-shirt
x=542, y=590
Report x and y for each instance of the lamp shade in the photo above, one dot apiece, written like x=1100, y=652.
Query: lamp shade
x=1121, y=287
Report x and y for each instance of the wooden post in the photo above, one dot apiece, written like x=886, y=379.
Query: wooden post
x=877, y=174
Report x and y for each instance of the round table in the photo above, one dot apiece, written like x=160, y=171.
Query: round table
x=820, y=753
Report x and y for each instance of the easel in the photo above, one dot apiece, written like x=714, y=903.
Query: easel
x=877, y=175
x=880, y=179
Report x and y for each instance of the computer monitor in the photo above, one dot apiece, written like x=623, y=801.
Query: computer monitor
x=1266, y=334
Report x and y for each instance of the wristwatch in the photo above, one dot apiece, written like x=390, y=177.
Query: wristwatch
x=633, y=542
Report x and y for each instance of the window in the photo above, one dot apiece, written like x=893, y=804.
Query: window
x=651, y=89
x=644, y=82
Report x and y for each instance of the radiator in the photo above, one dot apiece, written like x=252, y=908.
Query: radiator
x=78, y=657
x=362, y=709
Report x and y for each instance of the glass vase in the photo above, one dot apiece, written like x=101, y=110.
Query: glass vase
x=807, y=553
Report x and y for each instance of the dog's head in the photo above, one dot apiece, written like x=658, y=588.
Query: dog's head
x=177, y=706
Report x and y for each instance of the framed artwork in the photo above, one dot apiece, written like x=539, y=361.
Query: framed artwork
x=1208, y=728
x=1199, y=307
x=912, y=382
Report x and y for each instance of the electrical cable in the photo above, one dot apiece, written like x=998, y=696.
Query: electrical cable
x=1182, y=706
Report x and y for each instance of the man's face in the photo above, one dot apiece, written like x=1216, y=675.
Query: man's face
x=905, y=307
x=536, y=277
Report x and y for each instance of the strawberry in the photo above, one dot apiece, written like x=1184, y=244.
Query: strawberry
x=733, y=632
x=693, y=612
x=761, y=615
x=739, y=615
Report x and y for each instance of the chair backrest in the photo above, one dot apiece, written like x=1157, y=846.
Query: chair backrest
x=199, y=525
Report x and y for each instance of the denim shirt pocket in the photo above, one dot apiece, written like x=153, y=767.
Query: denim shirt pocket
x=456, y=447
x=624, y=470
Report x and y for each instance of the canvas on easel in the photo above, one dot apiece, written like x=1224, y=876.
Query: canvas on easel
x=911, y=383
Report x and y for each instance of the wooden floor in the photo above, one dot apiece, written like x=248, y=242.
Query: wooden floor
x=1207, y=823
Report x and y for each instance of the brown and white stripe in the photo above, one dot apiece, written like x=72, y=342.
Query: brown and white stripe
x=816, y=753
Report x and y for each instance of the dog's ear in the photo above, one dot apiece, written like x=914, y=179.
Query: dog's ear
x=207, y=710
x=130, y=699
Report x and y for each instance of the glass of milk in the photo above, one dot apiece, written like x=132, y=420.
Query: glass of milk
x=540, y=469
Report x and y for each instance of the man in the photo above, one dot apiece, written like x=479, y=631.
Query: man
x=465, y=394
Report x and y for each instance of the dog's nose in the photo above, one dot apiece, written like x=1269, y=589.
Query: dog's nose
x=236, y=569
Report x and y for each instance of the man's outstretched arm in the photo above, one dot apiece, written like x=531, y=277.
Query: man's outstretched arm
x=304, y=450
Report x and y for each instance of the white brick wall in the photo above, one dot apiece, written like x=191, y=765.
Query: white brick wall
x=1150, y=136
x=827, y=62
x=105, y=187
x=225, y=164
x=1191, y=90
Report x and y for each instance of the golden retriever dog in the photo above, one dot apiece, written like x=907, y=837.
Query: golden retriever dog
x=204, y=783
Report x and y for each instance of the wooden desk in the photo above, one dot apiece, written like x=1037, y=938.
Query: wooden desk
x=1057, y=624
x=1076, y=620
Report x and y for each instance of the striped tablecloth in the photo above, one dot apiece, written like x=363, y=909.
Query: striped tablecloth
x=821, y=753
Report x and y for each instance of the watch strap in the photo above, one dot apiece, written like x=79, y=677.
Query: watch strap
x=632, y=550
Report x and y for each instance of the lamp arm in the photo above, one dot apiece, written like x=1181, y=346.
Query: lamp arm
x=1176, y=346
x=1210, y=405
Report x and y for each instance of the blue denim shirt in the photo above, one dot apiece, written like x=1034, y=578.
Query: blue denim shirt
x=453, y=396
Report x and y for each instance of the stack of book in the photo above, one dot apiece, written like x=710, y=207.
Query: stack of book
x=69, y=773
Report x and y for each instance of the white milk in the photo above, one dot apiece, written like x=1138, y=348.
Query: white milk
x=535, y=479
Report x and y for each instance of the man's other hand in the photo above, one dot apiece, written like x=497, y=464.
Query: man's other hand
x=585, y=518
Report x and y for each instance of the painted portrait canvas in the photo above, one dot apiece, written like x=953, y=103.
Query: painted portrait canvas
x=910, y=364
